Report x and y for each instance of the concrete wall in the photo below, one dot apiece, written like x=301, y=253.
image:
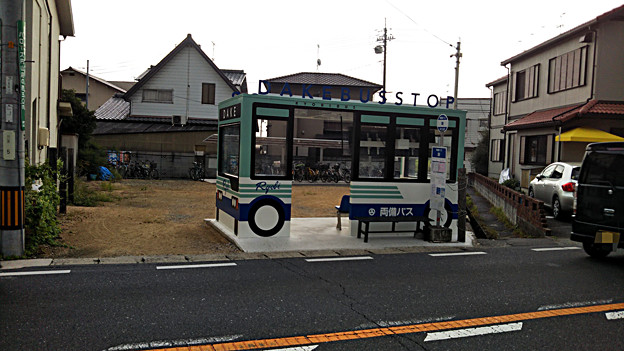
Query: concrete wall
x=525, y=212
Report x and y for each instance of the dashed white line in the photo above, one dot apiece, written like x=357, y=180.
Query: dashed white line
x=297, y=348
x=464, y=333
x=556, y=248
x=207, y=265
x=11, y=274
x=173, y=343
x=574, y=304
x=469, y=253
x=615, y=315
x=330, y=259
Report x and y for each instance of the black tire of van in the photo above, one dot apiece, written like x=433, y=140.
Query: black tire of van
x=597, y=250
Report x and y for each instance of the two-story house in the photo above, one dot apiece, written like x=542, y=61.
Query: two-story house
x=498, y=119
x=560, y=95
x=99, y=89
x=165, y=116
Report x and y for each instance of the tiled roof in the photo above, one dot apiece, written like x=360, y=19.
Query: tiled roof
x=548, y=117
x=123, y=84
x=317, y=78
x=593, y=108
x=236, y=76
x=538, y=119
x=115, y=108
x=152, y=125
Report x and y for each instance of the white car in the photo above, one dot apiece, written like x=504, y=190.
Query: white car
x=555, y=186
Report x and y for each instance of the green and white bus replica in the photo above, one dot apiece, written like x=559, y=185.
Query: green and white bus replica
x=388, y=149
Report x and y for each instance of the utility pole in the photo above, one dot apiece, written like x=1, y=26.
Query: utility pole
x=385, y=38
x=87, y=88
x=13, y=123
x=457, y=55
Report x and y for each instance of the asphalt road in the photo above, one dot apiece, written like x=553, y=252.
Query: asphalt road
x=544, y=299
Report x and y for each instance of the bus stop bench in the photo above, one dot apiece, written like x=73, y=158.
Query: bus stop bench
x=364, y=223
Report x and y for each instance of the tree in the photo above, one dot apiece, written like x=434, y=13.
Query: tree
x=480, y=157
x=82, y=122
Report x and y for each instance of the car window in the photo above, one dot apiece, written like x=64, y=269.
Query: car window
x=548, y=171
x=575, y=173
x=603, y=169
x=557, y=173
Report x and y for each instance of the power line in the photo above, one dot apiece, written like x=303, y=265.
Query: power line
x=416, y=23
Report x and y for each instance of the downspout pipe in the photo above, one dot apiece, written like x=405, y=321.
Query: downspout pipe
x=507, y=113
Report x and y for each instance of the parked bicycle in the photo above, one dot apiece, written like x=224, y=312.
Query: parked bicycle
x=197, y=171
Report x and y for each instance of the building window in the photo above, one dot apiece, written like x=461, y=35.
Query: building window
x=567, y=71
x=208, y=93
x=158, y=95
x=500, y=103
x=497, y=150
x=533, y=150
x=526, y=83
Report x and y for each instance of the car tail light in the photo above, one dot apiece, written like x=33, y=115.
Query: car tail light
x=568, y=187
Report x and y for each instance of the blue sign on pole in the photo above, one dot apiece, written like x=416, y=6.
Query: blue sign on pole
x=442, y=123
x=438, y=152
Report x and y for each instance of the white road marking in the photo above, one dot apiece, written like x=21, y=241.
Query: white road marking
x=458, y=254
x=174, y=343
x=615, y=315
x=206, y=265
x=329, y=259
x=297, y=348
x=575, y=304
x=463, y=333
x=550, y=217
x=556, y=248
x=11, y=274
x=413, y=321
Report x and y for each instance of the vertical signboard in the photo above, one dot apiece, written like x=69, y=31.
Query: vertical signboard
x=438, y=177
x=21, y=47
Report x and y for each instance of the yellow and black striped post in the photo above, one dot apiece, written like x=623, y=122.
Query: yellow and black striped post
x=12, y=208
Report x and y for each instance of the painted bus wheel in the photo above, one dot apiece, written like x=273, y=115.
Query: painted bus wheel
x=266, y=217
x=448, y=213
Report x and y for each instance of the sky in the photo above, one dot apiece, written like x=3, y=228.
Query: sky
x=273, y=38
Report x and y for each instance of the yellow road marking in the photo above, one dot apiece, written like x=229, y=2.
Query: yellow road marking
x=405, y=329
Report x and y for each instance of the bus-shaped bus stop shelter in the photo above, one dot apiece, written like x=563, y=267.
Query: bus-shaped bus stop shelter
x=388, y=149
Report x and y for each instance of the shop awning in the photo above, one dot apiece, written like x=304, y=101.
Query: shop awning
x=587, y=135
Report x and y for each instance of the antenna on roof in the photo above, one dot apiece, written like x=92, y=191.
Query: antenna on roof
x=318, y=56
x=213, y=50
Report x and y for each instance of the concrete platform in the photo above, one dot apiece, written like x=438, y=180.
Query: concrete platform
x=313, y=234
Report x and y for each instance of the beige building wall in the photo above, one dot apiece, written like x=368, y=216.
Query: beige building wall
x=42, y=72
x=99, y=92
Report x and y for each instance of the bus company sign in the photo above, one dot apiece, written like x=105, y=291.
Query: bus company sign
x=346, y=93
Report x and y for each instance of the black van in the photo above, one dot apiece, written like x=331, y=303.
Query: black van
x=599, y=200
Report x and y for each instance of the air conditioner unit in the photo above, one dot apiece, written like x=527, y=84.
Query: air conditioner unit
x=178, y=120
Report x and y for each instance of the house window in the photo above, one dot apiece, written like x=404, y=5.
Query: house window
x=497, y=150
x=158, y=95
x=500, y=103
x=208, y=93
x=567, y=71
x=526, y=83
x=533, y=149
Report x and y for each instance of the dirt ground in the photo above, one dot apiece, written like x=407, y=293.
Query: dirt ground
x=161, y=217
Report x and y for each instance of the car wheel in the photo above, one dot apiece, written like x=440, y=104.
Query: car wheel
x=596, y=250
x=556, y=208
x=531, y=193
